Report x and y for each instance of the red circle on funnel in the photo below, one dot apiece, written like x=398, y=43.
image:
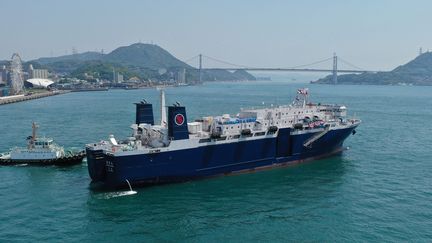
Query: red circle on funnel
x=179, y=119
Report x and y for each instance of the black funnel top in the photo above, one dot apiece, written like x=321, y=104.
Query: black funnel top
x=144, y=113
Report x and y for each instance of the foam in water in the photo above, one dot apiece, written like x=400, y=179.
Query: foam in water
x=119, y=194
x=110, y=195
x=131, y=192
x=21, y=165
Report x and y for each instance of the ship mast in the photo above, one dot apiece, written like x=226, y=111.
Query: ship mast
x=302, y=97
x=163, y=108
x=33, y=137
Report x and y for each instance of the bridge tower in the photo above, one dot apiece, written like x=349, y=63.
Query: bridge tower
x=334, y=68
x=200, y=68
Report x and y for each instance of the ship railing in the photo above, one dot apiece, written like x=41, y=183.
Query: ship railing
x=353, y=121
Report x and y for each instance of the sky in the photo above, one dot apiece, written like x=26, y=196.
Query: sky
x=371, y=34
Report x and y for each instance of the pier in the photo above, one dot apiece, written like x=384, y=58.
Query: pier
x=19, y=98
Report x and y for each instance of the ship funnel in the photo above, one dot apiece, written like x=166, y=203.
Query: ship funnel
x=144, y=113
x=177, y=123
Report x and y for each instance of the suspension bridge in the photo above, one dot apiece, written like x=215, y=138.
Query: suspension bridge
x=300, y=68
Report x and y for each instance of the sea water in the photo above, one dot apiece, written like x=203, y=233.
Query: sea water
x=378, y=190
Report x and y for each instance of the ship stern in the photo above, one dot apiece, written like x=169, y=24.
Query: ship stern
x=96, y=163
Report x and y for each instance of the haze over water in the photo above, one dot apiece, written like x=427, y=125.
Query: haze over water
x=378, y=190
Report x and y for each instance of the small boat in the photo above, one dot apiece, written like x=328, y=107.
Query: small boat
x=41, y=151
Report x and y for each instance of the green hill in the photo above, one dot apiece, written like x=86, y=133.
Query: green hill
x=415, y=72
x=144, y=55
x=75, y=58
x=141, y=60
x=140, y=55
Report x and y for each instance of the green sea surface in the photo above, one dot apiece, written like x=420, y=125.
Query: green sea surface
x=380, y=190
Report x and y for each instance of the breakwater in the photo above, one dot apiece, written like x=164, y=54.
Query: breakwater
x=20, y=98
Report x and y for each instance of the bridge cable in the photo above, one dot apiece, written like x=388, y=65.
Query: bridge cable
x=352, y=65
x=310, y=64
x=190, y=59
x=227, y=63
x=293, y=67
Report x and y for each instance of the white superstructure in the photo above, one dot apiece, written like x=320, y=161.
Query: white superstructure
x=37, y=149
x=250, y=124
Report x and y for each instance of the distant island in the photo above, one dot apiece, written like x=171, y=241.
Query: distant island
x=415, y=72
x=136, y=61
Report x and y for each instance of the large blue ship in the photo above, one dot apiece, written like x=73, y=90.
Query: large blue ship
x=177, y=150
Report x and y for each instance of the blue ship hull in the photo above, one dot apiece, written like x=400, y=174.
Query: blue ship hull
x=212, y=160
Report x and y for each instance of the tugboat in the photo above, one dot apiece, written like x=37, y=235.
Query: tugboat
x=41, y=151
